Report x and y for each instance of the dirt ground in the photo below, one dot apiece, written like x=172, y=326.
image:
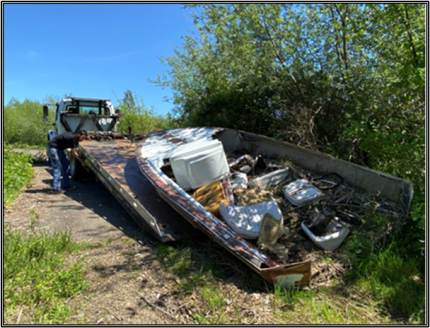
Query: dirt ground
x=127, y=284
x=89, y=211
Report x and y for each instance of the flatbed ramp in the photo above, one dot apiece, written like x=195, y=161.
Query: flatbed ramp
x=114, y=164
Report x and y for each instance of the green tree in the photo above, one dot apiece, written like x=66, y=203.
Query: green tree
x=137, y=116
x=23, y=123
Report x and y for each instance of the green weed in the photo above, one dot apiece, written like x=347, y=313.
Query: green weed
x=328, y=305
x=214, y=312
x=388, y=268
x=27, y=146
x=178, y=261
x=18, y=172
x=36, y=276
x=214, y=297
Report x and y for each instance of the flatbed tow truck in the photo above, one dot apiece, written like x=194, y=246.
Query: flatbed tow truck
x=110, y=157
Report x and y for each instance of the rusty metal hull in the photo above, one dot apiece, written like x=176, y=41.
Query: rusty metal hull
x=155, y=148
x=114, y=164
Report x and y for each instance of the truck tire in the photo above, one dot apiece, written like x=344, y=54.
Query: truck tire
x=77, y=171
x=75, y=168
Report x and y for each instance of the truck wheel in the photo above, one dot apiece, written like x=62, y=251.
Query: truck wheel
x=78, y=172
x=75, y=168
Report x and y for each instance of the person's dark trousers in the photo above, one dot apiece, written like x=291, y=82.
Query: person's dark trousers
x=60, y=166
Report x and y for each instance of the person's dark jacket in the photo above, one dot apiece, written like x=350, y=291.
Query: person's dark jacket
x=63, y=141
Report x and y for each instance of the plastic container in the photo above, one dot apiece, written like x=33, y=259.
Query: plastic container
x=301, y=191
x=329, y=242
x=198, y=163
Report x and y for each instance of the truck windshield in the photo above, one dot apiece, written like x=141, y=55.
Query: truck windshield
x=85, y=110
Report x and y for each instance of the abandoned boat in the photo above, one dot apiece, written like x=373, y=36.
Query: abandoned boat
x=203, y=174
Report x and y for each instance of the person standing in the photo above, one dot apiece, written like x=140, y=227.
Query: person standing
x=59, y=161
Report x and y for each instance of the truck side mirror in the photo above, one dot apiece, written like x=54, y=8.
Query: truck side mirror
x=45, y=114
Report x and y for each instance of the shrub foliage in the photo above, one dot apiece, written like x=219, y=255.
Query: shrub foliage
x=17, y=172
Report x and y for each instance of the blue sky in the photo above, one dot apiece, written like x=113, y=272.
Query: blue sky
x=90, y=50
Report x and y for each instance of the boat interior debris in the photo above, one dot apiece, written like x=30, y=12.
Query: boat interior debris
x=312, y=211
x=289, y=213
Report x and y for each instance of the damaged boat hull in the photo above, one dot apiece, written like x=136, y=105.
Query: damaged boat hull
x=156, y=148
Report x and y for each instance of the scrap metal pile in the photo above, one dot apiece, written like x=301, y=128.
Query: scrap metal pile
x=287, y=211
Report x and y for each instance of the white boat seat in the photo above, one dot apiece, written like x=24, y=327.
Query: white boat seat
x=246, y=220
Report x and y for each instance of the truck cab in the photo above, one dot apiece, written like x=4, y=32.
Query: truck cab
x=97, y=116
x=93, y=115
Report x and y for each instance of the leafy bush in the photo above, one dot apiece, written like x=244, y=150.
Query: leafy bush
x=17, y=171
x=23, y=123
x=137, y=116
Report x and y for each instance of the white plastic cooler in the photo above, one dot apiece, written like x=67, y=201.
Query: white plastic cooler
x=198, y=163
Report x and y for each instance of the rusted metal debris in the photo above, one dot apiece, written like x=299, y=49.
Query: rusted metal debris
x=339, y=208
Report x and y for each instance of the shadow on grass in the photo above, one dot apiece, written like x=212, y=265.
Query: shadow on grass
x=388, y=282
x=198, y=259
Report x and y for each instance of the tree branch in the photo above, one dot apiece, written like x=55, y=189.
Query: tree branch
x=278, y=55
x=345, y=55
x=406, y=23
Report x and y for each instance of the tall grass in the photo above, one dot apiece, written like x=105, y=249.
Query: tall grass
x=392, y=272
x=36, y=277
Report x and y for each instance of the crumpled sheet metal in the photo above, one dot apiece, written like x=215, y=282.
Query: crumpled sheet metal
x=270, y=179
